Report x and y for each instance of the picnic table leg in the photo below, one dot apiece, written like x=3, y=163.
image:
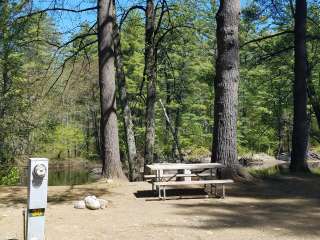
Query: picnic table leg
x=159, y=191
x=160, y=175
x=223, y=191
x=187, y=171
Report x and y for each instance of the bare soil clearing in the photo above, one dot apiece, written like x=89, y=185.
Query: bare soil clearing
x=284, y=208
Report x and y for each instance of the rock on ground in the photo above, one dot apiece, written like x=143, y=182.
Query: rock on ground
x=80, y=205
x=92, y=203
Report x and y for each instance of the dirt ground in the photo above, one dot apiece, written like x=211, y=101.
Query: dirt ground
x=281, y=209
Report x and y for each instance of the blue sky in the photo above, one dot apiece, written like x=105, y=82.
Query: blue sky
x=68, y=22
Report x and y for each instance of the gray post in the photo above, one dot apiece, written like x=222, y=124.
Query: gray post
x=37, y=198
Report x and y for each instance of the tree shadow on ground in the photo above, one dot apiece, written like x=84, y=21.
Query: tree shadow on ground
x=287, y=205
x=11, y=196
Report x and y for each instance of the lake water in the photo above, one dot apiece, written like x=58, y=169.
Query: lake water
x=66, y=174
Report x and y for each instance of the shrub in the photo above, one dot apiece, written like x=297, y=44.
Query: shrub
x=12, y=177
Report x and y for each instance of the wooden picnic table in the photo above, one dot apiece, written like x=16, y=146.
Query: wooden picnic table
x=161, y=179
x=159, y=169
x=178, y=166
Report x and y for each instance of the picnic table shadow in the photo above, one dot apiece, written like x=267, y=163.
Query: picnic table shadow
x=288, y=205
x=173, y=193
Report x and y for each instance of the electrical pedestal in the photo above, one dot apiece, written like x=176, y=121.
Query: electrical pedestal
x=37, y=198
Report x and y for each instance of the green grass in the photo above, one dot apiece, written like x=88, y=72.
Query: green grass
x=266, y=172
x=275, y=171
x=316, y=171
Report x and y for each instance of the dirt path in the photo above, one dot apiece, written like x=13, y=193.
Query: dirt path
x=283, y=209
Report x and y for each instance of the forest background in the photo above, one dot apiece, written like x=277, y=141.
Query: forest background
x=49, y=103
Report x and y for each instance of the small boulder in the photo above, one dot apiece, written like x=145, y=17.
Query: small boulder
x=110, y=181
x=92, y=203
x=103, y=203
x=79, y=204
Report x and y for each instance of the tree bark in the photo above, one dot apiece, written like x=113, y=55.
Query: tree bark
x=300, y=119
x=111, y=164
x=224, y=148
x=4, y=11
x=150, y=72
x=127, y=116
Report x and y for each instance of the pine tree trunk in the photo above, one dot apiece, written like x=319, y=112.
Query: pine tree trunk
x=224, y=149
x=111, y=164
x=150, y=71
x=300, y=119
x=127, y=117
x=4, y=58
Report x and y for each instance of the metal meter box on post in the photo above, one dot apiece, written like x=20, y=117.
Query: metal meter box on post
x=37, y=198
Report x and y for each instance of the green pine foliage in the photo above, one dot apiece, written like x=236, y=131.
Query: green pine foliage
x=52, y=105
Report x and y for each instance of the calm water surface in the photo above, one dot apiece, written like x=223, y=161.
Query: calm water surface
x=66, y=174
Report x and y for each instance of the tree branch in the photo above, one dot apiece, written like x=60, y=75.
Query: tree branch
x=63, y=65
x=81, y=36
x=266, y=37
x=160, y=39
x=125, y=15
x=57, y=9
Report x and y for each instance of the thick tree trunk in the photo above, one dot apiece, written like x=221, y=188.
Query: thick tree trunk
x=4, y=58
x=150, y=72
x=224, y=149
x=300, y=119
x=127, y=117
x=111, y=164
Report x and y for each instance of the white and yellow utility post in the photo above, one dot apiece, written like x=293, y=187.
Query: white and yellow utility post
x=37, y=198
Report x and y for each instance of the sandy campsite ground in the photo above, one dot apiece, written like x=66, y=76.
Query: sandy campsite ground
x=275, y=209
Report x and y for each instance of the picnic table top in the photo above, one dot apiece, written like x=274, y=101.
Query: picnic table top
x=177, y=166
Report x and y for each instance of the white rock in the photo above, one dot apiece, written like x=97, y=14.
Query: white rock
x=103, y=203
x=79, y=204
x=109, y=180
x=92, y=203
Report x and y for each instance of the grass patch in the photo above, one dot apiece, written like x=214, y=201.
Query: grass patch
x=316, y=171
x=275, y=171
x=266, y=172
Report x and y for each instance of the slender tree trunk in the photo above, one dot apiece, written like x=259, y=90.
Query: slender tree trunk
x=88, y=135
x=96, y=132
x=95, y=122
x=224, y=149
x=150, y=71
x=111, y=164
x=300, y=119
x=177, y=124
x=127, y=116
x=173, y=132
x=314, y=100
x=168, y=101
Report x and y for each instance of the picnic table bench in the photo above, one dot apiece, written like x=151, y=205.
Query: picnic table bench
x=162, y=180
